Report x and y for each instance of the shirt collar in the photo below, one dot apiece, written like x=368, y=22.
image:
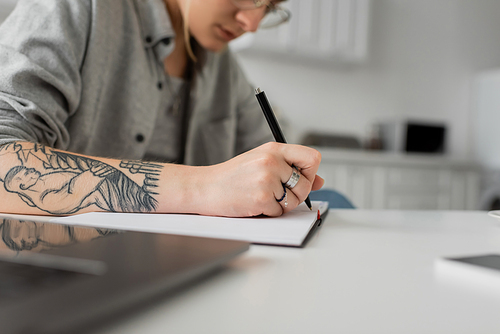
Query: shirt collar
x=157, y=29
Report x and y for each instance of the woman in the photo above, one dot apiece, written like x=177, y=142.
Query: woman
x=145, y=80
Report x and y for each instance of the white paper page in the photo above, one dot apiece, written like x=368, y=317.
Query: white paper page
x=290, y=229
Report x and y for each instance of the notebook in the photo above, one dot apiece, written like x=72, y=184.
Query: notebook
x=291, y=229
x=63, y=279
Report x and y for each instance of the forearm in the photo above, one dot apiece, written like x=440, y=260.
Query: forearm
x=41, y=180
x=68, y=183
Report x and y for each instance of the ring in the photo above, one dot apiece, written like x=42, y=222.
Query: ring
x=284, y=197
x=293, y=180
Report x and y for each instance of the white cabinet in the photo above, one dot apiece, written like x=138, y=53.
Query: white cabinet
x=396, y=181
x=324, y=29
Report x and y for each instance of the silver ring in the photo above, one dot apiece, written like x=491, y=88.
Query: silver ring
x=293, y=180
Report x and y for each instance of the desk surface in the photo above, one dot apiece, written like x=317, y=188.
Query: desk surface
x=363, y=272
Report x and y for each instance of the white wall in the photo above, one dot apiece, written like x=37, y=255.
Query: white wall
x=423, y=56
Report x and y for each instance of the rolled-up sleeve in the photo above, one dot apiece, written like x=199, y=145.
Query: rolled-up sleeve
x=42, y=49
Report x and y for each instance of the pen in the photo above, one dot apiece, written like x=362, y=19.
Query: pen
x=273, y=124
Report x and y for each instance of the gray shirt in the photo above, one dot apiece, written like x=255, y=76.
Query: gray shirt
x=166, y=141
x=87, y=76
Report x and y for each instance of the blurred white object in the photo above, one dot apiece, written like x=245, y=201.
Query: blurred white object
x=320, y=29
x=487, y=109
x=6, y=6
x=494, y=214
x=487, y=137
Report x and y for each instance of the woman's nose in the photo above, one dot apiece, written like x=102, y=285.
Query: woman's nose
x=249, y=20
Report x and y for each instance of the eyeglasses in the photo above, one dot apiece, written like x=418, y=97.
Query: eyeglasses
x=275, y=14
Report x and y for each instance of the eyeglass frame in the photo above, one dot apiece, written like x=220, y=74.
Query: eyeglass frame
x=271, y=7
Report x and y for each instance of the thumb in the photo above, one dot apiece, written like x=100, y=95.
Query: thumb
x=318, y=183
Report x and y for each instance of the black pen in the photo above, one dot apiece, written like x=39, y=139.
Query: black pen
x=273, y=124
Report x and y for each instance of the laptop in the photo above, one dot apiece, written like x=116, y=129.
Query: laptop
x=57, y=278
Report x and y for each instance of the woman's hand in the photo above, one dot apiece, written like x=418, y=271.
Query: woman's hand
x=251, y=183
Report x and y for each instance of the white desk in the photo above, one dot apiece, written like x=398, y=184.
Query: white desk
x=363, y=272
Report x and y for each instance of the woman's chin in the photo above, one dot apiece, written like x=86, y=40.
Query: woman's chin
x=215, y=46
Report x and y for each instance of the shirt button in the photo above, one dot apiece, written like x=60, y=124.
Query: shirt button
x=159, y=85
x=148, y=39
x=166, y=41
x=139, y=138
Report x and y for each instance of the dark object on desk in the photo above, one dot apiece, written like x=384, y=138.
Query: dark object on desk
x=413, y=137
x=64, y=279
x=490, y=261
x=330, y=140
x=479, y=272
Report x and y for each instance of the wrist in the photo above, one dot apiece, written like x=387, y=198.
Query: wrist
x=183, y=189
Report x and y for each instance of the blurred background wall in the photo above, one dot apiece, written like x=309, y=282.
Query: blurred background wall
x=421, y=62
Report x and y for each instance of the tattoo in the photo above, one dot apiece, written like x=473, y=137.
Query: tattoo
x=64, y=183
x=150, y=170
x=19, y=235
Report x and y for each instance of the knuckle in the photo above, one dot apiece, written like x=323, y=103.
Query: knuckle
x=272, y=146
x=263, y=179
x=261, y=199
x=316, y=157
x=268, y=160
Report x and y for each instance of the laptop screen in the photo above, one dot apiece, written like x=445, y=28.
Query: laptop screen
x=57, y=277
x=22, y=276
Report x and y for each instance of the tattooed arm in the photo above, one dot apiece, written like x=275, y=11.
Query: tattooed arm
x=57, y=182
x=35, y=179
